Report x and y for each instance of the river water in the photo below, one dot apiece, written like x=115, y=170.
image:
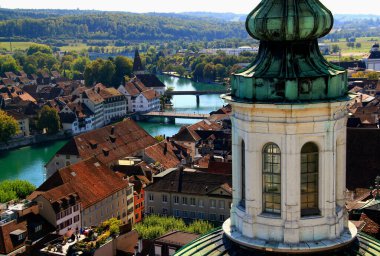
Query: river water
x=28, y=163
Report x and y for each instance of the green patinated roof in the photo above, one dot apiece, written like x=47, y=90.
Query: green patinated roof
x=289, y=66
x=215, y=243
x=289, y=20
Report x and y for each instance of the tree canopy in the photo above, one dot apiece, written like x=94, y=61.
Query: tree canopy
x=15, y=190
x=8, y=126
x=49, y=120
x=154, y=226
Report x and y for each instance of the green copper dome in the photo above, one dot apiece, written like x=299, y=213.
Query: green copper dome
x=289, y=66
x=289, y=20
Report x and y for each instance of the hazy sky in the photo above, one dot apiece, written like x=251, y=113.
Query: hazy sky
x=239, y=6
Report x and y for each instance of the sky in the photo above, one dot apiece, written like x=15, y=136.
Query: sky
x=141, y=6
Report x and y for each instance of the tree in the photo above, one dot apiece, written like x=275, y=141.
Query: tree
x=49, y=120
x=373, y=75
x=335, y=48
x=209, y=72
x=220, y=70
x=15, y=190
x=198, y=71
x=8, y=126
x=8, y=64
x=123, y=67
x=39, y=48
x=106, y=73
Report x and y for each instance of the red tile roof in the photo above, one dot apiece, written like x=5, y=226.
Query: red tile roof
x=91, y=180
x=131, y=89
x=109, y=92
x=150, y=94
x=166, y=157
x=128, y=139
x=371, y=227
x=93, y=96
x=205, y=125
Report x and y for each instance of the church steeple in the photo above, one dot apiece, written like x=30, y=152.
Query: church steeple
x=289, y=66
x=138, y=67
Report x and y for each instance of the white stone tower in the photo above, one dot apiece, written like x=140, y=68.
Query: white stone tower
x=289, y=136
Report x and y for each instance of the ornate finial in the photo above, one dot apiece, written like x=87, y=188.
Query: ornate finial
x=289, y=20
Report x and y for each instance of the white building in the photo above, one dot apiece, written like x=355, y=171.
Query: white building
x=114, y=104
x=139, y=97
x=77, y=118
x=373, y=61
x=231, y=51
x=95, y=103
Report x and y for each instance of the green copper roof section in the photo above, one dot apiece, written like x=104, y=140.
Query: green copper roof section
x=289, y=66
x=289, y=20
x=215, y=243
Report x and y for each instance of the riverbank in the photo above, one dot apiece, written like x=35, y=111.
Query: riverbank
x=33, y=140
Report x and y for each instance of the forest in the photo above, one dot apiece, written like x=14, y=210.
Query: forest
x=115, y=25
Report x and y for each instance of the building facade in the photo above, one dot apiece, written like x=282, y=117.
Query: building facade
x=203, y=196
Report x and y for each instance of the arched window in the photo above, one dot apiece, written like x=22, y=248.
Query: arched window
x=309, y=180
x=242, y=202
x=272, y=179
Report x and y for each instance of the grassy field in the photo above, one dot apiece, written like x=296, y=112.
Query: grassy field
x=15, y=45
x=359, y=53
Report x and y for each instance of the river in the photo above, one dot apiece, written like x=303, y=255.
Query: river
x=28, y=162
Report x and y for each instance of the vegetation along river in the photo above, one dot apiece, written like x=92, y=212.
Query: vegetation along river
x=28, y=163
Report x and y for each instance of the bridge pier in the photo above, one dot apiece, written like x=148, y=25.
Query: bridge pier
x=198, y=100
x=171, y=120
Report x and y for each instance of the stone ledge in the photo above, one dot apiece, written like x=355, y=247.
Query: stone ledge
x=347, y=237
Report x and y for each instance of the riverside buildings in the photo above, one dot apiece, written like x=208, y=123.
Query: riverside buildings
x=289, y=143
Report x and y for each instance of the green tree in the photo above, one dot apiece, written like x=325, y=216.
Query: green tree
x=15, y=189
x=220, y=70
x=209, y=72
x=198, y=71
x=106, y=73
x=155, y=226
x=8, y=64
x=49, y=120
x=8, y=126
x=80, y=64
x=39, y=48
x=123, y=67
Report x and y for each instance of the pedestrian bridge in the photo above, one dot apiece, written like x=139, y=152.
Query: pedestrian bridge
x=197, y=94
x=173, y=115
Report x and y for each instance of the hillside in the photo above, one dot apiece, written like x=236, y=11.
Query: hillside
x=114, y=25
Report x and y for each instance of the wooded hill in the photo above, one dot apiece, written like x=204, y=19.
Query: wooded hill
x=69, y=24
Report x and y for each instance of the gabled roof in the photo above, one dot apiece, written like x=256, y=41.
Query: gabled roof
x=186, y=134
x=150, y=80
x=106, y=93
x=205, y=125
x=374, y=55
x=150, y=94
x=91, y=180
x=131, y=89
x=163, y=153
x=110, y=143
x=197, y=183
x=93, y=96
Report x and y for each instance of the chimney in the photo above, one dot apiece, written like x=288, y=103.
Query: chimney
x=106, y=151
x=112, y=130
x=165, y=148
